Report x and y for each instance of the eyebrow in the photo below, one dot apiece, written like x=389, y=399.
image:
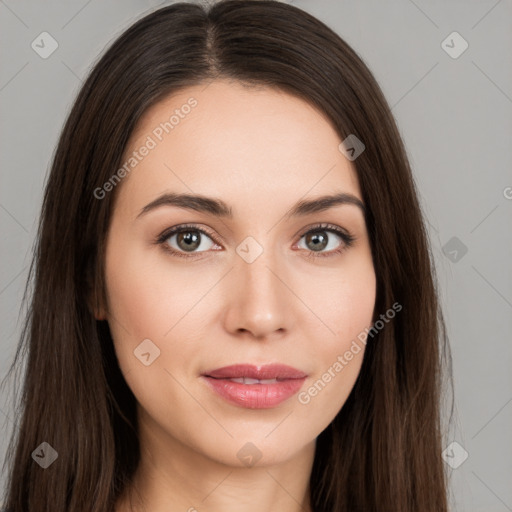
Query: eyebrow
x=219, y=208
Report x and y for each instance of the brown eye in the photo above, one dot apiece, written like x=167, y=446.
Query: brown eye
x=188, y=240
x=326, y=240
x=316, y=241
x=183, y=240
x=320, y=239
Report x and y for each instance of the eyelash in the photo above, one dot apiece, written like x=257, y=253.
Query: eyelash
x=347, y=238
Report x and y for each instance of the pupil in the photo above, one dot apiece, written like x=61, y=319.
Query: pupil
x=191, y=239
x=315, y=238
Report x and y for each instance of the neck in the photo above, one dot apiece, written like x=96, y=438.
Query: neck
x=173, y=477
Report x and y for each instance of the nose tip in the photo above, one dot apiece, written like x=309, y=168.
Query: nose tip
x=256, y=300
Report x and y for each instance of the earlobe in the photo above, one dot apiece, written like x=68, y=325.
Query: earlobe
x=96, y=308
x=99, y=314
x=94, y=300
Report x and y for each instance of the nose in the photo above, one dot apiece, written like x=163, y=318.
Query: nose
x=258, y=300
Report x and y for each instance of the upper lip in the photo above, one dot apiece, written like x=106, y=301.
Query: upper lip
x=261, y=372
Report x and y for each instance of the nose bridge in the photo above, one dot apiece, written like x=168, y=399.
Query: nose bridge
x=257, y=298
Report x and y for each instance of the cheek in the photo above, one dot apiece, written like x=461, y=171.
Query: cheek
x=152, y=298
x=132, y=296
x=149, y=297
x=146, y=292
x=345, y=301
x=346, y=307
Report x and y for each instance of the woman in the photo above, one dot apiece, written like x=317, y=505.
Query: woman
x=234, y=301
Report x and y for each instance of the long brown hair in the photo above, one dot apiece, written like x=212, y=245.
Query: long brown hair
x=382, y=452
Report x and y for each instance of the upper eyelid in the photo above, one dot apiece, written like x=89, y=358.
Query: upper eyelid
x=323, y=226
x=167, y=233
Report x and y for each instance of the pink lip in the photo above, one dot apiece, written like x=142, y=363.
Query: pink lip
x=256, y=396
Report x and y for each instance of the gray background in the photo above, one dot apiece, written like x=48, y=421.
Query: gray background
x=454, y=115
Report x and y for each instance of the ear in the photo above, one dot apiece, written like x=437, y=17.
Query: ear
x=100, y=313
x=95, y=307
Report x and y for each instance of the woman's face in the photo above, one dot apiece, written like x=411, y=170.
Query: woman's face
x=250, y=288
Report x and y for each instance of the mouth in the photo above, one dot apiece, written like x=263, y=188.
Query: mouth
x=255, y=387
x=252, y=374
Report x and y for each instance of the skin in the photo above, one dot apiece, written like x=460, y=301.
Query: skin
x=259, y=150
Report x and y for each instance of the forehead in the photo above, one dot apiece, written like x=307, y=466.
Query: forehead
x=226, y=139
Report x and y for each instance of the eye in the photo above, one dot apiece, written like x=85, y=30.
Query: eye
x=185, y=239
x=321, y=237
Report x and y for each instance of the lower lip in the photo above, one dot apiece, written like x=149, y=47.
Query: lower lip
x=255, y=396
